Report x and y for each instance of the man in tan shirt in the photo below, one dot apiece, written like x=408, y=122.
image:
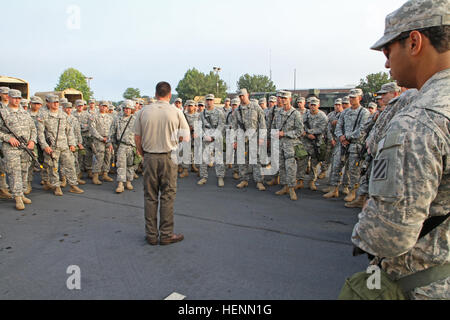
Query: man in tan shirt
x=159, y=128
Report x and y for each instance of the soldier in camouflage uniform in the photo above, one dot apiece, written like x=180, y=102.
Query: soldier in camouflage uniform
x=4, y=193
x=100, y=130
x=84, y=156
x=14, y=118
x=192, y=117
x=410, y=180
x=123, y=136
x=227, y=108
x=56, y=138
x=315, y=125
x=231, y=154
x=213, y=122
x=275, y=106
x=289, y=124
x=249, y=123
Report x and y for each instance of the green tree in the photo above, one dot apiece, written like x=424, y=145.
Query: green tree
x=196, y=83
x=256, y=83
x=373, y=82
x=132, y=93
x=72, y=78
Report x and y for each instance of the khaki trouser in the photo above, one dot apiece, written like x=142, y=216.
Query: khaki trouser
x=160, y=188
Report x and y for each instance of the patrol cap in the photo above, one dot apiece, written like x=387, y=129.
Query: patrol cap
x=235, y=101
x=338, y=101
x=36, y=100
x=129, y=104
x=242, y=92
x=227, y=100
x=314, y=101
x=389, y=87
x=284, y=94
x=15, y=93
x=63, y=100
x=67, y=105
x=357, y=92
x=4, y=90
x=262, y=100
x=52, y=98
x=24, y=102
x=79, y=102
x=272, y=99
x=111, y=106
x=179, y=100
x=190, y=103
x=209, y=97
x=300, y=99
x=346, y=100
x=92, y=101
x=378, y=97
x=372, y=105
x=104, y=103
x=414, y=15
x=201, y=103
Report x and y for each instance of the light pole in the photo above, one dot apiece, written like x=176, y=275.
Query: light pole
x=89, y=81
x=217, y=70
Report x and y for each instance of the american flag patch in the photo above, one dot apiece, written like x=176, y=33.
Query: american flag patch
x=380, y=168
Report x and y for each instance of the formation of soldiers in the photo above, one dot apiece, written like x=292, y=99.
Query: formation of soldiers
x=97, y=140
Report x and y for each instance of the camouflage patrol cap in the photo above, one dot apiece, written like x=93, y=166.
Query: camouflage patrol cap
x=111, y=106
x=242, y=92
x=300, y=99
x=314, y=101
x=36, y=100
x=235, y=101
x=262, y=100
x=129, y=104
x=190, y=103
x=389, y=87
x=338, y=101
x=63, y=100
x=79, y=102
x=378, y=97
x=345, y=100
x=272, y=99
x=201, y=103
x=15, y=93
x=284, y=94
x=227, y=100
x=4, y=90
x=24, y=102
x=179, y=100
x=67, y=105
x=104, y=103
x=372, y=105
x=209, y=97
x=51, y=98
x=357, y=92
x=92, y=101
x=414, y=15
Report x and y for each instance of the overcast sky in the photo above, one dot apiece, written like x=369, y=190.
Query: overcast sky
x=136, y=43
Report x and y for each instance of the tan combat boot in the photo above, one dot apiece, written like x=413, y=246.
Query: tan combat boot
x=273, y=182
x=129, y=186
x=202, y=181
x=6, y=193
x=184, y=174
x=346, y=190
x=180, y=169
x=242, y=185
x=352, y=195
x=135, y=177
x=312, y=185
x=47, y=186
x=19, y=203
x=81, y=182
x=283, y=191
x=29, y=189
x=75, y=189
x=63, y=182
x=90, y=174
x=106, y=178
x=322, y=175
x=120, y=188
x=358, y=203
x=194, y=168
x=25, y=200
x=58, y=192
x=292, y=194
x=260, y=186
x=327, y=189
x=236, y=176
x=299, y=185
x=95, y=179
x=334, y=193
x=220, y=182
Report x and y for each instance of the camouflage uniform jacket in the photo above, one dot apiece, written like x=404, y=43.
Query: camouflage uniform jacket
x=100, y=126
x=48, y=128
x=347, y=127
x=291, y=123
x=332, y=116
x=118, y=127
x=249, y=117
x=75, y=125
x=192, y=119
x=212, y=120
x=20, y=122
x=316, y=125
x=84, y=119
x=410, y=183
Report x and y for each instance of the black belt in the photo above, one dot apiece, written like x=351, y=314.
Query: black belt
x=145, y=152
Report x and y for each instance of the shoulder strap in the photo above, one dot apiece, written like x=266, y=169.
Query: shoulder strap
x=292, y=112
x=357, y=119
x=432, y=223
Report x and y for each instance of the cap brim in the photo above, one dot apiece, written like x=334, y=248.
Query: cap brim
x=384, y=40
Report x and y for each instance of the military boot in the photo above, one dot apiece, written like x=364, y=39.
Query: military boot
x=292, y=194
x=242, y=185
x=80, y=176
x=184, y=174
x=135, y=177
x=19, y=203
x=299, y=185
x=120, y=188
x=334, y=193
x=220, y=182
x=346, y=190
x=260, y=186
x=6, y=193
x=273, y=182
x=236, y=176
x=58, y=192
x=90, y=174
x=81, y=182
x=63, y=182
x=106, y=178
x=312, y=185
x=322, y=175
x=194, y=168
x=29, y=189
x=129, y=186
x=283, y=191
x=202, y=181
x=95, y=179
x=75, y=189
x=25, y=200
x=358, y=203
x=327, y=189
x=352, y=195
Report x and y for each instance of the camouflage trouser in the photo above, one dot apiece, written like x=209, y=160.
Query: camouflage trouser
x=208, y=148
x=62, y=160
x=288, y=163
x=364, y=180
x=76, y=164
x=336, y=168
x=247, y=168
x=3, y=184
x=102, y=154
x=302, y=165
x=180, y=159
x=86, y=160
x=125, y=163
x=18, y=162
x=328, y=158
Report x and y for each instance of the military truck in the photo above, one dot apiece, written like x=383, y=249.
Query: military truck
x=17, y=84
x=70, y=94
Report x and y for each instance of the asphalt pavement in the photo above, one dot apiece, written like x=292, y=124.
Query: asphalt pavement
x=243, y=245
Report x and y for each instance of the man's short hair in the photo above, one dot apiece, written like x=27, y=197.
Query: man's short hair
x=163, y=89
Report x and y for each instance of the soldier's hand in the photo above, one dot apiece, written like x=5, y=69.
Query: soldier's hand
x=105, y=139
x=80, y=146
x=342, y=139
x=48, y=150
x=235, y=145
x=311, y=137
x=72, y=148
x=333, y=143
x=111, y=148
x=334, y=123
x=14, y=142
x=30, y=145
x=208, y=138
x=261, y=142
